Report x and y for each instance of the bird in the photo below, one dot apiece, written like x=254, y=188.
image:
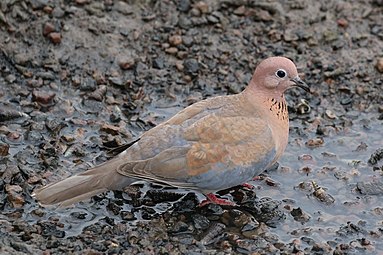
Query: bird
x=211, y=145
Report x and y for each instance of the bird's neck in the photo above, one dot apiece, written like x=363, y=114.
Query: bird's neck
x=268, y=102
x=275, y=107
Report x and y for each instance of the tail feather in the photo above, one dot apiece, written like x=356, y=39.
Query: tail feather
x=83, y=186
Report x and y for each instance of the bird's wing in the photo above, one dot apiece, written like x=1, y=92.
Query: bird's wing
x=197, y=141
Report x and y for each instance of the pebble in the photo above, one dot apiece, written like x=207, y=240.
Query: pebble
x=379, y=65
x=88, y=84
x=43, y=97
x=10, y=78
x=182, y=54
x=175, y=40
x=126, y=63
x=330, y=114
x=183, y=5
x=110, y=129
x=315, y=142
x=4, y=149
x=158, y=63
x=179, y=66
x=171, y=50
x=99, y=93
x=55, y=37
x=305, y=157
x=342, y=22
x=191, y=66
x=48, y=28
x=45, y=75
x=202, y=6
x=116, y=81
x=58, y=12
x=124, y=8
x=187, y=41
x=240, y=11
x=14, y=195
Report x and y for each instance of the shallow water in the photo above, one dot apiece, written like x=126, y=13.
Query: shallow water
x=336, y=166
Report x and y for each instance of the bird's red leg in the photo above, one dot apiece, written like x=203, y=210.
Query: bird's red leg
x=248, y=185
x=211, y=198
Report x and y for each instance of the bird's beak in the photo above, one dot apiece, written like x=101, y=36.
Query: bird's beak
x=299, y=83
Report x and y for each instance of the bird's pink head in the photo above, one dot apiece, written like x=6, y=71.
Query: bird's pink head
x=274, y=75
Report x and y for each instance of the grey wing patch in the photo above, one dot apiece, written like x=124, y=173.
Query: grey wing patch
x=168, y=167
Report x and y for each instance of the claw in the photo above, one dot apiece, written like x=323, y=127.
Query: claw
x=211, y=198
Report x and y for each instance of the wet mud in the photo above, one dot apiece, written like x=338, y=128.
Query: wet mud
x=80, y=78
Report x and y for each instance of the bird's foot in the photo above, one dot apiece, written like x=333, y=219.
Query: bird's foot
x=211, y=198
x=248, y=185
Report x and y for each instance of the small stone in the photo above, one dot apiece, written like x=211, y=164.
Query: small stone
x=212, y=19
x=158, y=63
x=14, y=195
x=187, y=41
x=10, y=78
x=305, y=157
x=191, y=66
x=21, y=59
x=58, y=12
x=322, y=195
x=342, y=22
x=184, y=22
x=290, y=35
x=4, y=149
x=34, y=179
x=240, y=11
x=55, y=37
x=200, y=221
x=126, y=63
x=183, y=5
x=48, y=28
x=179, y=66
x=124, y=8
x=299, y=215
x=330, y=114
x=195, y=12
x=202, y=7
x=370, y=188
x=45, y=76
x=110, y=129
x=182, y=54
x=88, y=84
x=7, y=113
x=315, y=142
x=125, y=215
x=116, y=81
x=171, y=50
x=165, y=45
x=187, y=78
x=379, y=65
x=81, y=2
x=359, y=90
x=99, y=93
x=43, y=97
x=175, y=40
x=38, y=212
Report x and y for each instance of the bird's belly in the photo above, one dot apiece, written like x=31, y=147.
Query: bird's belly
x=227, y=177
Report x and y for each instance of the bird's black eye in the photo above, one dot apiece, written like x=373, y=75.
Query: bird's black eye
x=281, y=73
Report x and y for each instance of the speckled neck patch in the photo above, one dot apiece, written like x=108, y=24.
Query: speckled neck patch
x=279, y=108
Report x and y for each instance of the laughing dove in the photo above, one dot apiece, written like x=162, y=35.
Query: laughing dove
x=211, y=145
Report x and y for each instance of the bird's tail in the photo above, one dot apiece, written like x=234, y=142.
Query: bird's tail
x=82, y=186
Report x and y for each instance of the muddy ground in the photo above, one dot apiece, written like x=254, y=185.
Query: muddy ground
x=79, y=78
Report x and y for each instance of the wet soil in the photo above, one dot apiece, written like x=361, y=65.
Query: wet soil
x=79, y=78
